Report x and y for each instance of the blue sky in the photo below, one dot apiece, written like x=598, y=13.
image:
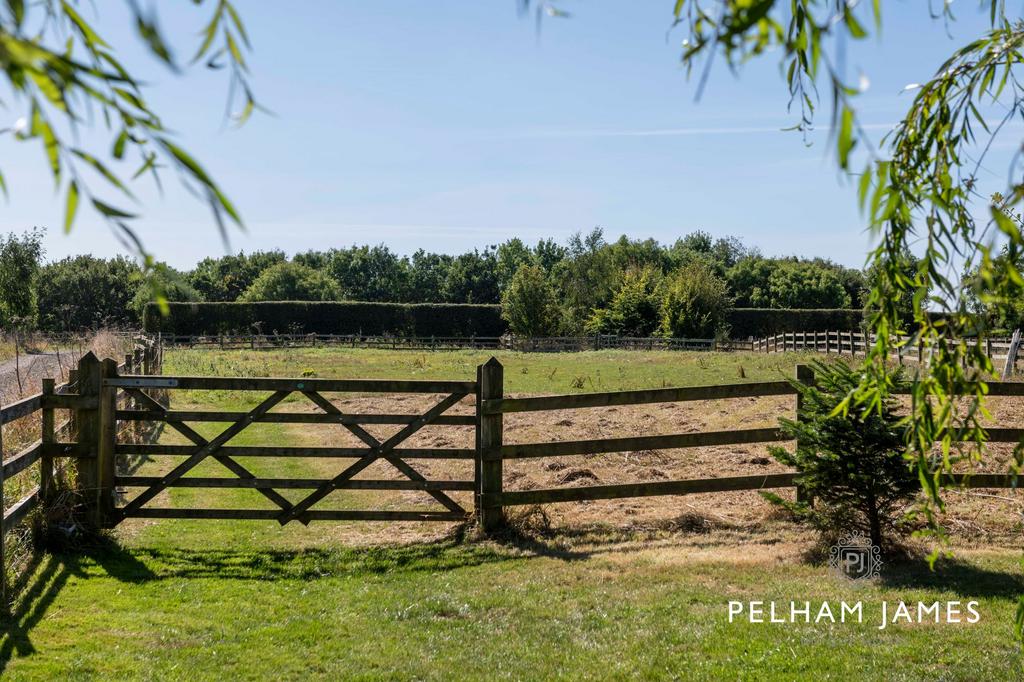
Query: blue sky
x=451, y=125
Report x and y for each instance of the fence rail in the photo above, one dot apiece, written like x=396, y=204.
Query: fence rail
x=855, y=343
x=49, y=451
x=493, y=451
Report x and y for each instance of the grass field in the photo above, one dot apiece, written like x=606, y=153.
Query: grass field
x=524, y=372
x=594, y=594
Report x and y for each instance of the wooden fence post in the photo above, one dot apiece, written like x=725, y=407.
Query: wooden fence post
x=105, y=459
x=804, y=375
x=96, y=430
x=87, y=431
x=489, y=436
x=46, y=438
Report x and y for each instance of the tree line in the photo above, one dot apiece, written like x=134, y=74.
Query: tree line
x=587, y=285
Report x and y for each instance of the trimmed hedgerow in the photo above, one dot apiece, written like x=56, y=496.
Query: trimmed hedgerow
x=757, y=322
x=331, y=317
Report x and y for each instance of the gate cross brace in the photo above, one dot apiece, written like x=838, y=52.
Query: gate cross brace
x=232, y=466
x=375, y=450
x=205, y=451
x=363, y=435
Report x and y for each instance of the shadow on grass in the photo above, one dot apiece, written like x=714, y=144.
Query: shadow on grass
x=953, y=575
x=38, y=585
x=906, y=567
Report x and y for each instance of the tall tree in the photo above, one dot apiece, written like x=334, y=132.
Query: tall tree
x=83, y=293
x=227, y=277
x=427, y=275
x=370, y=273
x=472, y=278
x=291, y=282
x=585, y=278
x=695, y=303
x=529, y=305
x=20, y=259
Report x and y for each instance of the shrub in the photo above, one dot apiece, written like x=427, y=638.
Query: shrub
x=291, y=282
x=850, y=463
x=635, y=309
x=529, y=304
x=694, y=304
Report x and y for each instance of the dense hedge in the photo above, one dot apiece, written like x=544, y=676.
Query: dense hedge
x=758, y=322
x=430, y=319
x=345, y=317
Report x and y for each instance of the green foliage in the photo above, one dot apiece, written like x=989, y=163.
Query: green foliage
x=472, y=278
x=759, y=282
x=83, y=292
x=529, y=304
x=799, y=285
x=20, y=258
x=916, y=190
x=66, y=75
x=694, y=304
x=291, y=282
x=509, y=257
x=366, y=273
x=227, y=277
x=427, y=274
x=334, y=317
x=851, y=464
x=635, y=309
x=585, y=279
x=162, y=281
x=903, y=300
x=718, y=254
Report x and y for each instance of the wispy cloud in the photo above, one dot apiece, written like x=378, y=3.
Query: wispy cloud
x=671, y=132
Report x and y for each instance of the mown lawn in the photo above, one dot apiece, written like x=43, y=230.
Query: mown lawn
x=198, y=600
x=210, y=602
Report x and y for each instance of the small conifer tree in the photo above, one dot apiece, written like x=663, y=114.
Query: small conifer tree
x=851, y=464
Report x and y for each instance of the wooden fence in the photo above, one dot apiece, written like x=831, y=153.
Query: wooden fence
x=856, y=343
x=106, y=399
x=493, y=451
x=72, y=438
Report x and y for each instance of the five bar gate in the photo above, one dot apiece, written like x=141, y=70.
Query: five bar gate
x=273, y=392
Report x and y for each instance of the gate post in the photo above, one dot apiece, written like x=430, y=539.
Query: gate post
x=105, y=457
x=96, y=433
x=804, y=375
x=488, y=452
x=87, y=431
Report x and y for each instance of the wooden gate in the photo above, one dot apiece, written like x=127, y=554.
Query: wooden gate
x=143, y=398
